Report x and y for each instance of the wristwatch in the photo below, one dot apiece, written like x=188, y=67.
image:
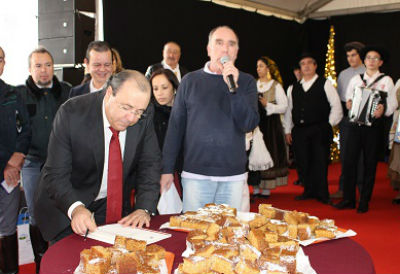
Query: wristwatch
x=149, y=212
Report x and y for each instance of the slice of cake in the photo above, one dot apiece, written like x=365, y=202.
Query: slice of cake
x=195, y=265
x=303, y=232
x=267, y=210
x=325, y=232
x=222, y=265
x=246, y=267
x=249, y=253
x=135, y=245
x=126, y=264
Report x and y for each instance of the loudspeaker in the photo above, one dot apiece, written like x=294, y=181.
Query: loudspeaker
x=64, y=30
x=74, y=76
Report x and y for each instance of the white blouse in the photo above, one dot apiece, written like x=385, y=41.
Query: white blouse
x=281, y=100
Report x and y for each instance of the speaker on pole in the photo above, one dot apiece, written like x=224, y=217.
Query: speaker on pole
x=66, y=27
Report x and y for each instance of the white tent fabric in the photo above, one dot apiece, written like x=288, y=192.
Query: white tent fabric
x=301, y=10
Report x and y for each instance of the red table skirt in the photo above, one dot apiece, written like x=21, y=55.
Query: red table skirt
x=337, y=256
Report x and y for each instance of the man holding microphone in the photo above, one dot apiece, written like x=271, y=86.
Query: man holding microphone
x=214, y=108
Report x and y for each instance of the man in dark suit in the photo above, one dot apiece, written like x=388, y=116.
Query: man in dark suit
x=98, y=63
x=77, y=178
x=171, y=56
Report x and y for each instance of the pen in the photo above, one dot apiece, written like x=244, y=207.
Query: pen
x=87, y=230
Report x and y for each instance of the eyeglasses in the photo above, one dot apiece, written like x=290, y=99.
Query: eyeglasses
x=140, y=113
x=372, y=58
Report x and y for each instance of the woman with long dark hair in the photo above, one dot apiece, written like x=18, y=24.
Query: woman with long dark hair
x=272, y=103
x=164, y=85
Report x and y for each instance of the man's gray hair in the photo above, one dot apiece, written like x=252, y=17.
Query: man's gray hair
x=40, y=49
x=224, y=26
x=117, y=80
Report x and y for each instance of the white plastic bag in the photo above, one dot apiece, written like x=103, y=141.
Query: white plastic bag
x=25, y=252
x=259, y=158
x=170, y=202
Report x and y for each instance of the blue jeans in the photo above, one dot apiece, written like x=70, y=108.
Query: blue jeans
x=30, y=179
x=197, y=193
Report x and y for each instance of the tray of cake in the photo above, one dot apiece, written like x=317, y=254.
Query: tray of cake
x=299, y=226
x=221, y=243
x=127, y=255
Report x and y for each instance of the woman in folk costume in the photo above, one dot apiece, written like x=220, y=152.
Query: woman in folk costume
x=272, y=102
x=394, y=159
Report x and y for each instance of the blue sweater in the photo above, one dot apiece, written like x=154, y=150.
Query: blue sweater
x=211, y=124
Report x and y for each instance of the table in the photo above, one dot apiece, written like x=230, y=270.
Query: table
x=337, y=256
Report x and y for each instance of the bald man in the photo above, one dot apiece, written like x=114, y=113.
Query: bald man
x=171, y=55
x=101, y=147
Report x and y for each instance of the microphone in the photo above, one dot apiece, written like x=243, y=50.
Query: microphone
x=231, y=83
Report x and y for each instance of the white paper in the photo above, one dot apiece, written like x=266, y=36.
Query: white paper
x=107, y=234
x=167, y=226
x=338, y=235
x=303, y=263
x=170, y=202
x=7, y=187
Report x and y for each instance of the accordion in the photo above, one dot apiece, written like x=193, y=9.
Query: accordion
x=365, y=102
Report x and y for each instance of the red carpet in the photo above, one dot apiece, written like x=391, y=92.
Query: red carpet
x=377, y=230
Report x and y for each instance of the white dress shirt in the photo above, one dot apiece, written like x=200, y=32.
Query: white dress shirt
x=107, y=138
x=335, y=114
x=281, y=100
x=385, y=84
x=176, y=70
x=93, y=89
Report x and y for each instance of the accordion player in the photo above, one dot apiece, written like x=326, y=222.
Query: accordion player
x=364, y=103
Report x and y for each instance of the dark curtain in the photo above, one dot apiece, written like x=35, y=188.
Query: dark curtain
x=139, y=29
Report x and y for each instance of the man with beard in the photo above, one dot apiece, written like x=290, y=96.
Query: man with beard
x=43, y=95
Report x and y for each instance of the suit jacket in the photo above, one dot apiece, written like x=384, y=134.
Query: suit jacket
x=74, y=167
x=80, y=90
x=154, y=67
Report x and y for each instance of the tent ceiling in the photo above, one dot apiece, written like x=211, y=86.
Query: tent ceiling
x=301, y=10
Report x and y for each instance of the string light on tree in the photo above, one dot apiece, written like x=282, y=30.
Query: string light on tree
x=330, y=74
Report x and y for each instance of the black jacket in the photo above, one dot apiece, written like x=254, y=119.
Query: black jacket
x=42, y=105
x=80, y=90
x=15, y=131
x=161, y=118
x=74, y=167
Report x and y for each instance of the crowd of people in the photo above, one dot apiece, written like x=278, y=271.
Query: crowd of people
x=103, y=151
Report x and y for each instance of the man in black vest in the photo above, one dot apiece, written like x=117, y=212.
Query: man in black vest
x=314, y=107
